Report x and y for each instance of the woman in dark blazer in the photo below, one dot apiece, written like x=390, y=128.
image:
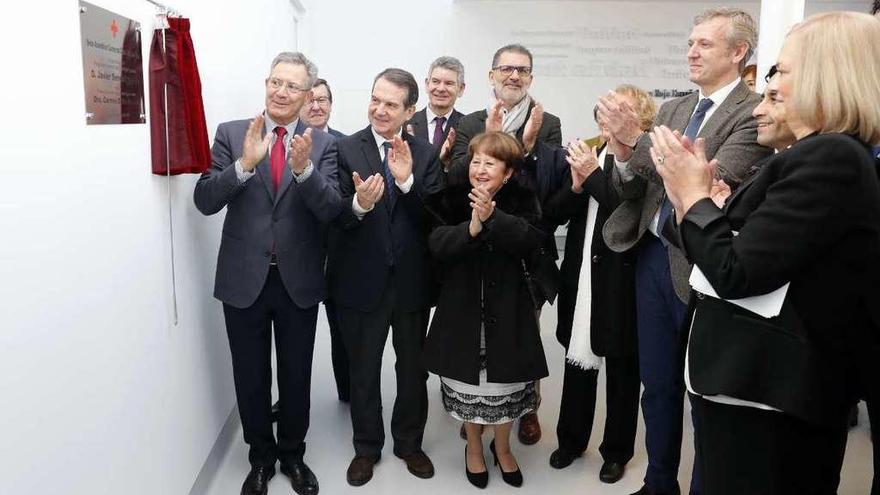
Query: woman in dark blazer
x=484, y=339
x=771, y=393
x=596, y=312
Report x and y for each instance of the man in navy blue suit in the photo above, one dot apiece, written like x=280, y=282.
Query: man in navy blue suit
x=277, y=180
x=380, y=272
x=316, y=112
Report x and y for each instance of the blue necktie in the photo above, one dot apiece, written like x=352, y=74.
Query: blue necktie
x=690, y=131
x=390, y=187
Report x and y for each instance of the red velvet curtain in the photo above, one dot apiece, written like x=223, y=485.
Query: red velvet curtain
x=175, y=68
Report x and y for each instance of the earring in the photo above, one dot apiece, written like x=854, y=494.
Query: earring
x=504, y=181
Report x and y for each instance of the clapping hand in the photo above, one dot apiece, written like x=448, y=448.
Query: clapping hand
x=720, y=192
x=255, y=144
x=582, y=161
x=687, y=174
x=300, y=150
x=368, y=191
x=446, y=149
x=495, y=117
x=482, y=207
x=533, y=126
x=400, y=160
x=621, y=120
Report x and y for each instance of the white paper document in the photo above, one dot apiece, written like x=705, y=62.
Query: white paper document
x=768, y=305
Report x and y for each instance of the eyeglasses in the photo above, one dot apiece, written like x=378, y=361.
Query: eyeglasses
x=770, y=73
x=507, y=70
x=278, y=84
x=322, y=101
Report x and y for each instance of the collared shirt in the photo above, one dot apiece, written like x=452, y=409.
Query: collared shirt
x=432, y=124
x=270, y=129
x=717, y=98
x=404, y=188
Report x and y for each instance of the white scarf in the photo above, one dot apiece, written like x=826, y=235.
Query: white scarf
x=580, y=348
x=514, y=118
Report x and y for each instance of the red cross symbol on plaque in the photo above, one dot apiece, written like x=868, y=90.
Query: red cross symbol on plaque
x=114, y=28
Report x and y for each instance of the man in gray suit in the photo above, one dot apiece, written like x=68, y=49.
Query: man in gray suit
x=277, y=180
x=721, y=42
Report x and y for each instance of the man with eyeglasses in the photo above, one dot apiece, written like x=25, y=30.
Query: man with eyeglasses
x=277, y=180
x=316, y=111
x=511, y=109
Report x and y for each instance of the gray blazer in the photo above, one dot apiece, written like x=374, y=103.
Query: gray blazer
x=731, y=135
x=293, y=220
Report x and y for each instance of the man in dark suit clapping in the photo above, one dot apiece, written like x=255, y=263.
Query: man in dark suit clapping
x=277, y=180
x=436, y=122
x=380, y=273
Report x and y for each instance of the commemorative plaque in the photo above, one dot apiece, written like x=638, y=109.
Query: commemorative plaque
x=113, y=72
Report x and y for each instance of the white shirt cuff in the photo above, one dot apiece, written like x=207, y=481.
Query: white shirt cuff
x=358, y=210
x=306, y=173
x=240, y=173
x=407, y=184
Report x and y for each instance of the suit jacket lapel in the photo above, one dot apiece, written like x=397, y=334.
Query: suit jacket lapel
x=371, y=152
x=420, y=124
x=739, y=93
x=681, y=118
x=265, y=172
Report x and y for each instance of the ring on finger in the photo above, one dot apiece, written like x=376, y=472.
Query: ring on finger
x=660, y=159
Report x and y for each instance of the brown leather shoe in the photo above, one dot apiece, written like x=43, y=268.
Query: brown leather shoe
x=360, y=470
x=529, y=429
x=418, y=464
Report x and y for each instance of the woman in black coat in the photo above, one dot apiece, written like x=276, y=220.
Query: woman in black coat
x=771, y=386
x=597, y=306
x=484, y=340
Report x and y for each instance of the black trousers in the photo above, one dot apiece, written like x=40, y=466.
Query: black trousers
x=364, y=334
x=250, y=342
x=578, y=407
x=744, y=450
x=337, y=351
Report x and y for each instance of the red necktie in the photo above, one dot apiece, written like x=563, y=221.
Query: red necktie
x=276, y=157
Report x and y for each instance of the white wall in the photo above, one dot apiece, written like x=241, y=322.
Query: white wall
x=101, y=393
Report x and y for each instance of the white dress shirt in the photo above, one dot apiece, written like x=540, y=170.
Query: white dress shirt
x=432, y=125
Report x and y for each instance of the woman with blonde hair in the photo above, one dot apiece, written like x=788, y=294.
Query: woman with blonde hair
x=773, y=377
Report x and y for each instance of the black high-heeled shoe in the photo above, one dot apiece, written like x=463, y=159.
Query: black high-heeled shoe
x=513, y=479
x=479, y=480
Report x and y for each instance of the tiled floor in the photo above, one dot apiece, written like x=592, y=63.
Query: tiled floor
x=329, y=444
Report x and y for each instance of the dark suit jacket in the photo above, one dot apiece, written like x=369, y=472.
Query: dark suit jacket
x=731, y=135
x=361, y=262
x=293, y=220
x=419, y=123
x=472, y=124
x=613, y=315
x=333, y=132
x=483, y=284
x=811, y=217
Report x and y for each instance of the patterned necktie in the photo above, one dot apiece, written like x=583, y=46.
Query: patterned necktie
x=276, y=157
x=390, y=188
x=690, y=131
x=438, y=131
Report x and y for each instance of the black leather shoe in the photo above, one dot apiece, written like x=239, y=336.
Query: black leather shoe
x=479, y=480
x=418, y=464
x=276, y=411
x=360, y=471
x=611, y=472
x=561, y=458
x=302, y=479
x=646, y=490
x=514, y=478
x=257, y=481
